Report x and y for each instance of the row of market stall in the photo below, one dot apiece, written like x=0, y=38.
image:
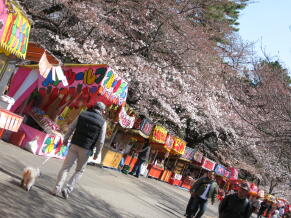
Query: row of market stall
x=40, y=101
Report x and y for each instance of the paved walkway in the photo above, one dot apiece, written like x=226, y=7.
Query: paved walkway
x=101, y=193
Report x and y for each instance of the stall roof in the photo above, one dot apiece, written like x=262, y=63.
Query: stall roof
x=35, y=52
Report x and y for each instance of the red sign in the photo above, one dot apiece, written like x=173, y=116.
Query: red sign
x=125, y=120
x=208, y=164
x=233, y=173
x=137, y=123
x=144, y=125
x=147, y=127
x=179, y=145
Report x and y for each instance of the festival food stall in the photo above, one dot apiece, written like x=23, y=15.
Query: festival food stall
x=51, y=103
x=167, y=173
x=159, y=147
x=118, y=139
x=141, y=130
x=179, y=165
x=187, y=157
x=14, y=35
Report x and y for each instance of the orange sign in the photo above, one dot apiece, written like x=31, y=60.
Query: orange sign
x=159, y=135
x=179, y=145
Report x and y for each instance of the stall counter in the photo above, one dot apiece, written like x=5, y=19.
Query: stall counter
x=111, y=158
x=166, y=175
x=130, y=161
x=155, y=171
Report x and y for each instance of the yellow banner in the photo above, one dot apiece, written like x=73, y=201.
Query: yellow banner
x=159, y=135
x=179, y=145
x=16, y=33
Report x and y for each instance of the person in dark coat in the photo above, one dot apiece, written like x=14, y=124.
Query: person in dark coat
x=236, y=205
x=88, y=131
x=142, y=157
x=203, y=189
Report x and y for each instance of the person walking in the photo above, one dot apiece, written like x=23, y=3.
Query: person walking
x=236, y=205
x=89, y=131
x=203, y=189
x=142, y=157
x=263, y=207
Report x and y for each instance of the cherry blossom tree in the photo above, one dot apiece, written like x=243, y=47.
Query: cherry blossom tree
x=187, y=70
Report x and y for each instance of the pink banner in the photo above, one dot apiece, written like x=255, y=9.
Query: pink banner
x=125, y=120
x=233, y=173
x=93, y=80
x=49, y=145
x=17, y=79
x=3, y=16
x=23, y=83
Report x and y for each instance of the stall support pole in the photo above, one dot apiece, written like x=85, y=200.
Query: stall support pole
x=7, y=73
x=156, y=154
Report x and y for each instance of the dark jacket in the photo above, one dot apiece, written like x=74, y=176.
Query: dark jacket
x=145, y=152
x=200, y=186
x=88, y=128
x=234, y=207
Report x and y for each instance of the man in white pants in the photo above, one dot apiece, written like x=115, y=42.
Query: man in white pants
x=90, y=130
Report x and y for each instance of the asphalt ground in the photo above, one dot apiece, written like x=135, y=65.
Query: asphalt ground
x=102, y=192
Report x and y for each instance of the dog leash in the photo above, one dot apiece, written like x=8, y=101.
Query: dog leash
x=46, y=160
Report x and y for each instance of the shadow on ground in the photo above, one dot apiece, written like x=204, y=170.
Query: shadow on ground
x=17, y=203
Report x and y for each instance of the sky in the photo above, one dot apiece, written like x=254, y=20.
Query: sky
x=268, y=22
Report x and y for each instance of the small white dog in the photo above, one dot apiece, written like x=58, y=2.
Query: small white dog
x=29, y=176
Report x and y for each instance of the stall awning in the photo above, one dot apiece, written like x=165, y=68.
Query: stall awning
x=35, y=52
x=14, y=34
x=159, y=138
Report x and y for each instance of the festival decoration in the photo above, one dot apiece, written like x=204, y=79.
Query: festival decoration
x=198, y=157
x=169, y=142
x=179, y=146
x=188, y=154
x=208, y=164
x=96, y=83
x=233, y=173
x=159, y=135
x=220, y=170
x=15, y=29
x=125, y=120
